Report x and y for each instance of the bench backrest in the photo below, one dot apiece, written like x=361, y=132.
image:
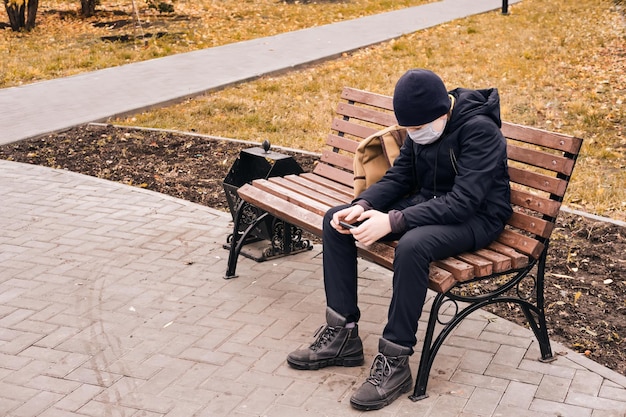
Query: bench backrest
x=540, y=165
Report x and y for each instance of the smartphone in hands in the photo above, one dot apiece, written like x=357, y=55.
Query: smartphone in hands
x=348, y=226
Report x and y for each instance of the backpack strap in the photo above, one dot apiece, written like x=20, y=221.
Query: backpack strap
x=375, y=155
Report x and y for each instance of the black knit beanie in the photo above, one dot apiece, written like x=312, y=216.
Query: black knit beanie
x=419, y=98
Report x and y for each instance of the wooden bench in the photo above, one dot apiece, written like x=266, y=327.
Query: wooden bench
x=540, y=166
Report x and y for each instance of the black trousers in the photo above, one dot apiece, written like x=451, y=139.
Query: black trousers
x=416, y=249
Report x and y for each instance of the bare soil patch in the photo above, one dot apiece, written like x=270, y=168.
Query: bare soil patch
x=585, y=278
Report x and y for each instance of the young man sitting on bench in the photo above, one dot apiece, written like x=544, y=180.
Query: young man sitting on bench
x=447, y=193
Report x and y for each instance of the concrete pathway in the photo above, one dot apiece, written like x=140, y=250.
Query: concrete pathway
x=112, y=303
x=48, y=106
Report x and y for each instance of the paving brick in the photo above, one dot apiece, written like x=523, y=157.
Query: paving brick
x=613, y=393
x=519, y=395
x=586, y=382
x=186, y=409
x=509, y=356
x=297, y=393
x=560, y=409
x=93, y=377
x=469, y=343
x=224, y=405
x=505, y=410
x=473, y=361
x=98, y=409
x=19, y=393
x=205, y=355
x=482, y=381
x=445, y=366
x=450, y=406
x=149, y=402
x=57, y=385
x=24, y=374
x=221, y=385
x=553, y=388
x=56, y=412
x=593, y=402
x=78, y=398
x=196, y=375
x=36, y=405
x=56, y=337
x=608, y=413
x=513, y=374
x=557, y=368
x=15, y=317
x=483, y=401
x=12, y=362
x=441, y=387
x=69, y=363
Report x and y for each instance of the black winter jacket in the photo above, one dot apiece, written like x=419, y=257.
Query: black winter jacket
x=460, y=178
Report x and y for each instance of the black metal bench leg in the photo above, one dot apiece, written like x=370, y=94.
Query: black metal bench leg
x=431, y=347
x=429, y=351
x=537, y=321
x=239, y=239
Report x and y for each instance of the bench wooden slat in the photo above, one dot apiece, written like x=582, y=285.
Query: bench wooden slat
x=440, y=280
x=330, y=172
x=291, y=196
x=282, y=209
x=462, y=271
x=353, y=129
x=500, y=262
x=366, y=114
x=564, y=143
x=323, y=181
x=317, y=196
x=482, y=267
x=367, y=97
x=518, y=260
x=342, y=143
x=540, y=159
x=541, y=182
x=304, y=182
x=334, y=158
x=535, y=202
x=382, y=254
x=379, y=253
x=531, y=224
x=521, y=243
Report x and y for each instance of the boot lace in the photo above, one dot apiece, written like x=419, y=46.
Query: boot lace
x=324, y=335
x=380, y=370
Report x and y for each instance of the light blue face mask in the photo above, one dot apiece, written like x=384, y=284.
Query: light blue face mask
x=428, y=134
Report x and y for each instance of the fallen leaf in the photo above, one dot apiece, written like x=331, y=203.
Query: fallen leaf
x=577, y=296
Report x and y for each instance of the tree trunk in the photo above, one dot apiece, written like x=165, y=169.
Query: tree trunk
x=31, y=13
x=22, y=13
x=87, y=7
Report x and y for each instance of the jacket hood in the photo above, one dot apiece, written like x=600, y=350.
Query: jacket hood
x=471, y=103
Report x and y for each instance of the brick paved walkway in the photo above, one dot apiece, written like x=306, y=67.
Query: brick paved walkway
x=112, y=303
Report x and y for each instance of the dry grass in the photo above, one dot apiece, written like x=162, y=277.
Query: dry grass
x=558, y=65
x=64, y=44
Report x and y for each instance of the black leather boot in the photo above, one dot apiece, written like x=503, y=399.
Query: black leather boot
x=334, y=345
x=390, y=376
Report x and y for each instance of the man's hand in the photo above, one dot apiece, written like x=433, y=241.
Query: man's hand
x=349, y=215
x=375, y=226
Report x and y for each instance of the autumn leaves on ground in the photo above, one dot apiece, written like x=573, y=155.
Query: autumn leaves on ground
x=558, y=66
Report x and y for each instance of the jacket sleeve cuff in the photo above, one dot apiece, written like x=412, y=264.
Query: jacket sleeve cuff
x=396, y=220
x=363, y=203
